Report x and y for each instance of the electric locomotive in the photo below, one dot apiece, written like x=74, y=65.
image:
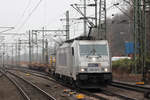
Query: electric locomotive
x=85, y=63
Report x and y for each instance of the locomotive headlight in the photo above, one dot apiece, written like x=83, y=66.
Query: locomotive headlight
x=82, y=70
x=106, y=69
x=94, y=59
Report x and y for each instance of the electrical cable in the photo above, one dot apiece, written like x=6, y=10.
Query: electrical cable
x=11, y=28
x=30, y=14
x=29, y=2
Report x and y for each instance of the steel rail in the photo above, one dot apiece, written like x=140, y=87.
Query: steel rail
x=136, y=88
x=17, y=86
x=116, y=94
x=82, y=91
x=106, y=92
x=130, y=86
x=63, y=84
x=36, y=87
x=26, y=70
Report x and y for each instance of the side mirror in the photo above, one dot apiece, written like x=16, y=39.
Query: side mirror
x=72, y=51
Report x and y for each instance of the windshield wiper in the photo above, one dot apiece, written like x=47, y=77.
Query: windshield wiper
x=92, y=51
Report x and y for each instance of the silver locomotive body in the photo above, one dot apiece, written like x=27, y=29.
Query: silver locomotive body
x=84, y=62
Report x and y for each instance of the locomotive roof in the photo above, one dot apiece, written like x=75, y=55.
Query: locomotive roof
x=66, y=44
x=82, y=39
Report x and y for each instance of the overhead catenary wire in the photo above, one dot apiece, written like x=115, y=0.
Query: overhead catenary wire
x=30, y=14
x=8, y=29
x=78, y=10
x=23, y=14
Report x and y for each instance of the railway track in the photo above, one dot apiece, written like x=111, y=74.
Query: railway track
x=136, y=88
x=68, y=86
x=95, y=95
x=16, y=85
x=28, y=90
x=108, y=92
x=25, y=70
x=129, y=86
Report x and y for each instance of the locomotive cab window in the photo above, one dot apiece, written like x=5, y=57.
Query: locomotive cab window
x=72, y=51
x=96, y=49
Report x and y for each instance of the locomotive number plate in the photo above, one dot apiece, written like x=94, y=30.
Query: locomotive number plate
x=93, y=70
x=92, y=65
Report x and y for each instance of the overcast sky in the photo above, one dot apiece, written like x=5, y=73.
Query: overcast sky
x=23, y=14
x=26, y=15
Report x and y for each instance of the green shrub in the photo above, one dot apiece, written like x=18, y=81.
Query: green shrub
x=122, y=64
x=129, y=64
